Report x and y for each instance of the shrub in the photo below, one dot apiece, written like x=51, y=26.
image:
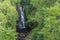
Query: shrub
x=8, y=18
x=51, y=24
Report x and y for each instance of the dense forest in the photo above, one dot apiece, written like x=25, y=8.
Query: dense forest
x=42, y=15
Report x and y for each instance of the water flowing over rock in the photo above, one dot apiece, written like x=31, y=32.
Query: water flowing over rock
x=22, y=18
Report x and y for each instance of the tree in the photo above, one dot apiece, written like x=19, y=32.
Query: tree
x=51, y=24
x=8, y=18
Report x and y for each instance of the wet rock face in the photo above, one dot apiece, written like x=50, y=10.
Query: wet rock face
x=23, y=35
x=21, y=23
x=23, y=30
x=22, y=27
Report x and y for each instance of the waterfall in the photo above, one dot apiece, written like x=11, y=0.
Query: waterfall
x=22, y=23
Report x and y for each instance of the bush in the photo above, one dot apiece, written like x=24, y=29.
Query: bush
x=49, y=17
x=8, y=18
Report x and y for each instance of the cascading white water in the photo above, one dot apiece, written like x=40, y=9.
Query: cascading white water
x=22, y=18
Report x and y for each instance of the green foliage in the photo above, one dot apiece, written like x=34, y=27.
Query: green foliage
x=48, y=17
x=45, y=14
x=8, y=18
x=3, y=18
x=7, y=33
